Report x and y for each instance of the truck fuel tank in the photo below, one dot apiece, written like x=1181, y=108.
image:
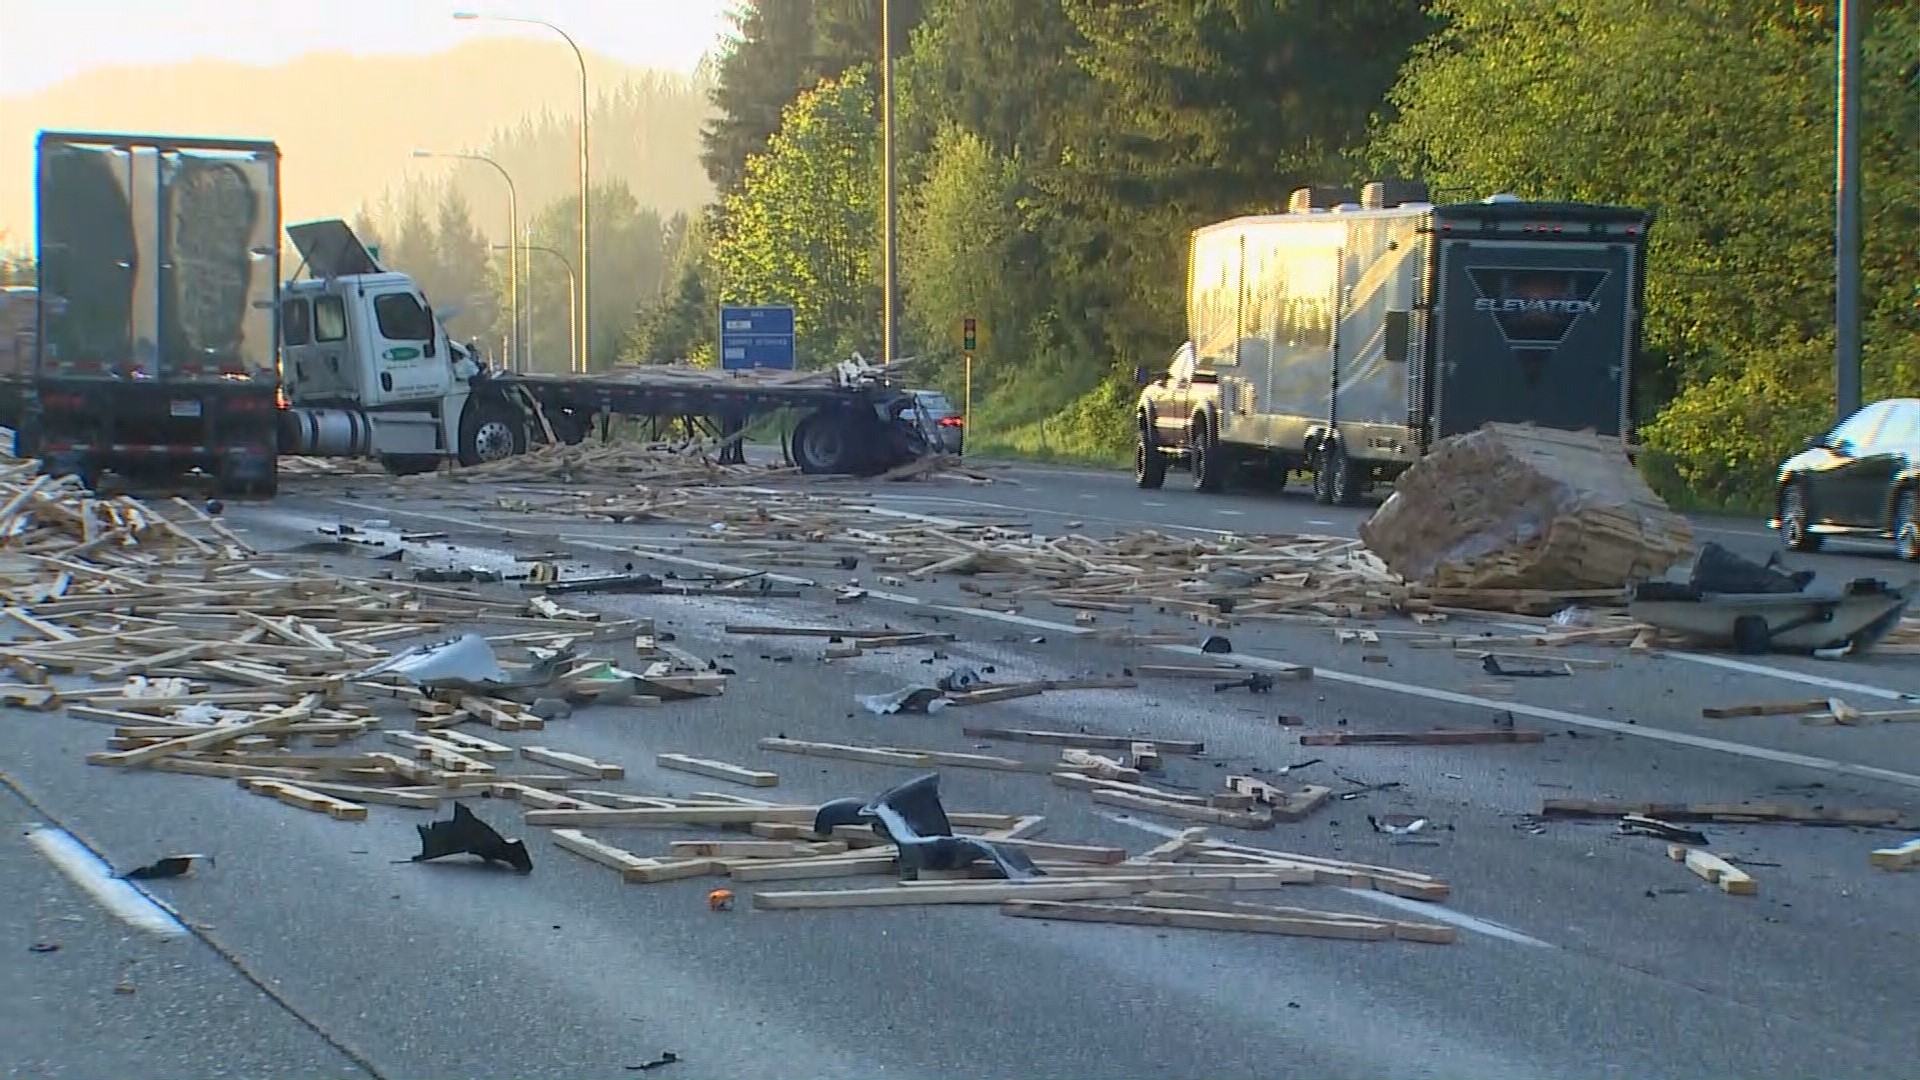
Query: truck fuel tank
x=315, y=432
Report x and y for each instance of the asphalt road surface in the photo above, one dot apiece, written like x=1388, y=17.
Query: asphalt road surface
x=315, y=949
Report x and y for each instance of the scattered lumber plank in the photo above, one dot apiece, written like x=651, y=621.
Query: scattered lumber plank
x=1899, y=857
x=718, y=770
x=1440, y=737
x=307, y=799
x=941, y=893
x=1785, y=813
x=1166, y=808
x=573, y=763
x=1430, y=933
x=1140, y=915
x=1765, y=708
x=1705, y=864
x=1084, y=740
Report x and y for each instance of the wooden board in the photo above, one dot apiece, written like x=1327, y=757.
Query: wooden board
x=1443, y=737
x=1788, y=813
x=719, y=770
x=942, y=893
x=1429, y=933
x=1900, y=857
x=1713, y=868
x=573, y=763
x=1135, y=915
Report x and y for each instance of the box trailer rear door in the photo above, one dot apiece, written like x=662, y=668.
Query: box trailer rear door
x=1534, y=332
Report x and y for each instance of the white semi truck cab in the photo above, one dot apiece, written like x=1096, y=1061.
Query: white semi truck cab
x=369, y=371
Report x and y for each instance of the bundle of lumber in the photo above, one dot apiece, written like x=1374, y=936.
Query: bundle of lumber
x=588, y=462
x=215, y=660
x=1522, y=507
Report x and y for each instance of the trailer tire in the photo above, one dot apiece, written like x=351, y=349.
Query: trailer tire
x=489, y=431
x=1322, y=480
x=1149, y=464
x=825, y=442
x=1203, y=452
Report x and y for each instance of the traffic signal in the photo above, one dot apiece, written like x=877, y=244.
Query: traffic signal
x=968, y=339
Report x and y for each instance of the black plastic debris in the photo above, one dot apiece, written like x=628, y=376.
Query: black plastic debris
x=466, y=834
x=1492, y=666
x=1256, y=682
x=1216, y=644
x=172, y=866
x=667, y=1057
x=610, y=583
x=1719, y=570
x=1642, y=825
x=912, y=818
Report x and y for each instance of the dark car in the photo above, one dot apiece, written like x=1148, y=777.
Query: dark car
x=1860, y=479
x=949, y=426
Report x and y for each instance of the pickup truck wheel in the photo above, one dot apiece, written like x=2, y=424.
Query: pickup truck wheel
x=1796, y=519
x=1203, y=453
x=490, y=432
x=1906, y=526
x=1149, y=464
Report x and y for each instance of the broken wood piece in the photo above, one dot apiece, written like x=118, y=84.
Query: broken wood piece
x=820, y=631
x=854, y=864
x=1085, y=740
x=1094, y=765
x=1145, y=757
x=1430, y=933
x=718, y=770
x=1771, y=708
x=754, y=849
x=1137, y=915
x=307, y=799
x=1714, y=869
x=941, y=893
x=44, y=698
x=1901, y=857
x=573, y=763
x=1208, y=814
x=1283, y=805
x=411, y=798
x=1787, y=813
x=633, y=868
x=1439, y=737
x=202, y=740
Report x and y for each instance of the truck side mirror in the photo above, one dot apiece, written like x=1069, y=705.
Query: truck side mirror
x=1396, y=329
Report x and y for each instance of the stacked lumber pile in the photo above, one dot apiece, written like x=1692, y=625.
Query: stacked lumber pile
x=1520, y=507
x=606, y=463
x=217, y=661
x=1170, y=885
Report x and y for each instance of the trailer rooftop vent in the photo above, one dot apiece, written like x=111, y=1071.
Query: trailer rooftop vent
x=1501, y=198
x=1387, y=194
x=1318, y=197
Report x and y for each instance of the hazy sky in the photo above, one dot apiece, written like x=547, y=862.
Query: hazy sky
x=45, y=41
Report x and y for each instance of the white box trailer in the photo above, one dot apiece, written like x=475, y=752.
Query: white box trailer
x=1345, y=339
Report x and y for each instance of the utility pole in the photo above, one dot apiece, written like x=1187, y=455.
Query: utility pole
x=889, y=285
x=1846, y=215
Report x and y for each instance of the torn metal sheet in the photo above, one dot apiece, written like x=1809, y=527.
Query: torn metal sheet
x=912, y=818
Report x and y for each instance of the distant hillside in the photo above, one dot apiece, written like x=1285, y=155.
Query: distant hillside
x=347, y=125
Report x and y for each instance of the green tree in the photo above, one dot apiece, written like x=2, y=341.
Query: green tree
x=803, y=227
x=678, y=324
x=458, y=280
x=627, y=269
x=961, y=240
x=1719, y=114
x=766, y=58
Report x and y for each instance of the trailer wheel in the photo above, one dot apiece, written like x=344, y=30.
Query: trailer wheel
x=1322, y=479
x=1149, y=464
x=1203, y=452
x=824, y=443
x=1751, y=635
x=489, y=431
x=1340, y=480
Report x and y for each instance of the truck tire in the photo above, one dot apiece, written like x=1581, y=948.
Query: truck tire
x=490, y=431
x=1333, y=483
x=1322, y=479
x=1149, y=464
x=824, y=442
x=1203, y=452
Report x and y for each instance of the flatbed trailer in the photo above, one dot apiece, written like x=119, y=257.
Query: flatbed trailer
x=865, y=426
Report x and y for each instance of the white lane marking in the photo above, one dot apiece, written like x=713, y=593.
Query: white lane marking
x=1642, y=731
x=1422, y=908
x=1751, y=668
x=1150, y=502
x=1139, y=522
x=1231, y=513
x=1142, y=824
x=1320, y=521
x=94, y=877
x=1448, y=915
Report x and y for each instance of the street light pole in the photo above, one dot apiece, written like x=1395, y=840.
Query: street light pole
x=573, y=300
x=516, y=345
x=1846, y=214
x=889, y=242
x=586, y=104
